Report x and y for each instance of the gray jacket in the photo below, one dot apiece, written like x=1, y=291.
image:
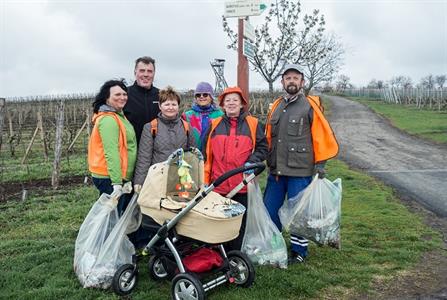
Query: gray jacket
x=170, y=136
x=292, y=152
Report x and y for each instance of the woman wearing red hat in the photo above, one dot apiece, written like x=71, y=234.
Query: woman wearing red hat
x=233, y=140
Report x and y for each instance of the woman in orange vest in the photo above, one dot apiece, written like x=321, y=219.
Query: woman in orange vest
x=232, y=141
x=112, y=149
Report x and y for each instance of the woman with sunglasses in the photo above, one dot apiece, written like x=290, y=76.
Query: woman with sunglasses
x=202, y=112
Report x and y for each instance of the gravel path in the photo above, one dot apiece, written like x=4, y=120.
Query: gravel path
x=414, y=167
x=417, y=169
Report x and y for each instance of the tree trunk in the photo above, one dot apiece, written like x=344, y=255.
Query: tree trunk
x=270, y=86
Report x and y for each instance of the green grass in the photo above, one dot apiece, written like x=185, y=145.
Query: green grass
x=379, y=238
x=428, y=124
x=36, y=168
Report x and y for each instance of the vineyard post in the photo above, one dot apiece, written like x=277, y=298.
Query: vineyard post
x=58, y=145
x=42, y=134
x=78, y=133
x=2, y=114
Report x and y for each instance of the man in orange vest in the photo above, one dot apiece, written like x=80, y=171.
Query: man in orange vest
x=300, y=141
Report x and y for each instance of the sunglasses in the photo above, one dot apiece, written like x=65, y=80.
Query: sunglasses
x=202, y=95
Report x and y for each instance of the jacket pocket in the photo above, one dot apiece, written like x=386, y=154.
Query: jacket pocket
x=274, y=123
x=293, y=126
x=297, y=155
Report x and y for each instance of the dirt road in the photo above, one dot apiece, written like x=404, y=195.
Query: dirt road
x=416, y=168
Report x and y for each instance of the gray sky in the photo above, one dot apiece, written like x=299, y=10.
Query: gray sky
x=73, y=46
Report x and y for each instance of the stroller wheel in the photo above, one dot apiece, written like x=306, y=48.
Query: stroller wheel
x=241, y=268
x=157, y=269
x=187, y=286
x=125, y=279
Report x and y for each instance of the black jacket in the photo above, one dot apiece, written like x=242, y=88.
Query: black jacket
x=141, y=107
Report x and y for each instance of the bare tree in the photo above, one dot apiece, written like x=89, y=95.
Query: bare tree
x=303, y=45
x=440, y=80
x=401, y=82
x=326, y=67
x=428, y=82
x=343, y=83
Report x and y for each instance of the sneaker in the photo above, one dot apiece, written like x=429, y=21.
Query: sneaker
x=295, y=259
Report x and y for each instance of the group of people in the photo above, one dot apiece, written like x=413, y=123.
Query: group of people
x=140, y=125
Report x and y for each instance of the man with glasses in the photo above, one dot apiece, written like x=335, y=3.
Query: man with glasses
x=202, y=112
x=142, y=104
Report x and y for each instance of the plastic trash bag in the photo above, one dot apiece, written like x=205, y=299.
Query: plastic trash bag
x=102, y=245
x=263, y=242
x=315, y=212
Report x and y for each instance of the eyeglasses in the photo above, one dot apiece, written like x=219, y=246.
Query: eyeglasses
x=202, y=95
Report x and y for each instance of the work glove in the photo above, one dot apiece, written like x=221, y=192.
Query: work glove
x=117, y=191
x=137, y=188
x=319, y=169
x=248, y=172
x=127, y=188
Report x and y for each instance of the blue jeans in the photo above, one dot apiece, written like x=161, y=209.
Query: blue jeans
x=139, y=238
x=276, y=190
x=104, y=185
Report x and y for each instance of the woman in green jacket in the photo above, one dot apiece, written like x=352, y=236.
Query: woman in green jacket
x=112, y=148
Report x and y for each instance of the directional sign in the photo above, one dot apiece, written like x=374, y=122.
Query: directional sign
x=243, y=8
x=249, y=31
x=249, y=49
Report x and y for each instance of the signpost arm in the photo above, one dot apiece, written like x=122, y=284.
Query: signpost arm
x=242, y=65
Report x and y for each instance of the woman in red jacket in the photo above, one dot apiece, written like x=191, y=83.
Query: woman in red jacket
x=231, y=141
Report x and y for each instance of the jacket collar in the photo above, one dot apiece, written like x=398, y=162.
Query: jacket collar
x=142, y=89
x=168, y=121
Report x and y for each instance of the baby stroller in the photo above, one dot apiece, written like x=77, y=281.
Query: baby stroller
x=186, y=225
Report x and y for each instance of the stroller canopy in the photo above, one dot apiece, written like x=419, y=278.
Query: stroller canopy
x=163, y=179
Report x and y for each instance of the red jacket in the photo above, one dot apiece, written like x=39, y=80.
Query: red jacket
x=229, y=144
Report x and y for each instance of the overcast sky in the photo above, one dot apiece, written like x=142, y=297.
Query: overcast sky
x=73, y=46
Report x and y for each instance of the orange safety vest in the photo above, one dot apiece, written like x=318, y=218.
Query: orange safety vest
x=323, y=139
x=252, y=125
x=96, y=157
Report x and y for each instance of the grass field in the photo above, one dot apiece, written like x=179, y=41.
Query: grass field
x=428, y=124
x=379, y=238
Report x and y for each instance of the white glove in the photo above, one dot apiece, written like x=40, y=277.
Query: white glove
x=127, y=187
x=117, y=191
x=137, y=188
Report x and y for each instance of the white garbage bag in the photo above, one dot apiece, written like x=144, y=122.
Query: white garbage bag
x=102, y=245
x=263, y=242
x=315, y=212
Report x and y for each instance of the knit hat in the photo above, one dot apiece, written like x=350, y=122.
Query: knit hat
x=231, y=90
x=204, y=87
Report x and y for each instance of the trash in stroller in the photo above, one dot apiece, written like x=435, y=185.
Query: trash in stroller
x=191, y=223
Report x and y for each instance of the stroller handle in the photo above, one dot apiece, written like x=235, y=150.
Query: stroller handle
x=259, y=167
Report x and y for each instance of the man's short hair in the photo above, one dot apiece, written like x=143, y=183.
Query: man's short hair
x=145, y=60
